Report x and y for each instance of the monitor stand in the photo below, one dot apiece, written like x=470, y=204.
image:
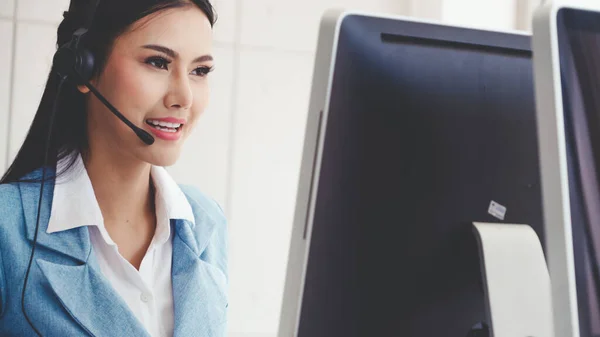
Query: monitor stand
x=516, y=280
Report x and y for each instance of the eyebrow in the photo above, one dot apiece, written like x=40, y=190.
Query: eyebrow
x=171, y=53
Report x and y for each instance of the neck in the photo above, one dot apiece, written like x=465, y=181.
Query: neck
x=122, y=187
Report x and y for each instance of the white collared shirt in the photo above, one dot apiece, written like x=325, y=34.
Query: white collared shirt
x=147, y=292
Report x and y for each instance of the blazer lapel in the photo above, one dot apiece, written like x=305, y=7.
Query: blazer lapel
x=90, y=300
x=198, y=287
x=80, y=287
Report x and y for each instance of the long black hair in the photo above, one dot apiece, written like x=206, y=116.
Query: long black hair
x=110, y=19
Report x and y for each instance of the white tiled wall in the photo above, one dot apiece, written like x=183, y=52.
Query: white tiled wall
x=6, y=39
x=247, y=147
x=40, y=10
x=293, y=25
x=7, y=8
x=224, y=30
x=268, y=132
x=426, y=9
x=490, y=14
x=34, y=48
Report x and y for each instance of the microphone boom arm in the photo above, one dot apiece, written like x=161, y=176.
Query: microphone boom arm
x=142, y=134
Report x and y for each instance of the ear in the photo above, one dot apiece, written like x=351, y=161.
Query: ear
x=83, y=89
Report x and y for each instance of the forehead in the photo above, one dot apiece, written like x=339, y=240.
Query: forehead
x=185, y=30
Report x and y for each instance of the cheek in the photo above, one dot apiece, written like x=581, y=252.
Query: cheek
x=201, y=101
x=134, y=88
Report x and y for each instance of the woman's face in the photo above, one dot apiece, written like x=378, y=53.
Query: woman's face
x=156, y=76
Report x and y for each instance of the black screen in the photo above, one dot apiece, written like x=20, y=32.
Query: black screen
x=427, y=126
x=579, y=46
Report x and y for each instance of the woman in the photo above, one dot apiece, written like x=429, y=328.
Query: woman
x=121, y=249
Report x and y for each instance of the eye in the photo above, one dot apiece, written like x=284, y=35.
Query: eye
x=158, y=62
x=202, y=71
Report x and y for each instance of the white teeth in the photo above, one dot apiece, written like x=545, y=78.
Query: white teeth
x=165, y=129
x=163, y=124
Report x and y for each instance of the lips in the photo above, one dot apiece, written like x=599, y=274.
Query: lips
x=166, y=128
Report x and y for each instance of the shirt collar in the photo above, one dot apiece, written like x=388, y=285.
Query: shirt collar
x=74, y=203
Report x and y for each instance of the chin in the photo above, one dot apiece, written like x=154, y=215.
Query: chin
x=163, y=158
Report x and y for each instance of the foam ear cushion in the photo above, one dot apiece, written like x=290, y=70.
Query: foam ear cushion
x=85, y=65
x=78, y=66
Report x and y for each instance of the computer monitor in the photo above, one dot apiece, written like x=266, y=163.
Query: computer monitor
x=415, y=130
x=566, y=45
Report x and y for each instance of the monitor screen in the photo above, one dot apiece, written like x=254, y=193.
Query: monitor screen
x=427, y=126
x=579, y=54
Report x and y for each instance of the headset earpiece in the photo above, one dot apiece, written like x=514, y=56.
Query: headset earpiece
x=85, y=65
x=73, y=61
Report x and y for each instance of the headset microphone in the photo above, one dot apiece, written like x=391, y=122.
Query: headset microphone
x=142, y=134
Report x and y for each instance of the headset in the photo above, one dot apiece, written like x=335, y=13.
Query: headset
x=73, y=62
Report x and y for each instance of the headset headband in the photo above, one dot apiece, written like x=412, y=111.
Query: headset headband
x=89, y=12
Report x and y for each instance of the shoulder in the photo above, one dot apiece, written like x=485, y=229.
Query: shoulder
x=209, y=213
x=11, y=214
x=9, y=191
x=12, y=217
x=203, y=205
x=10, y=201
x=24, y=192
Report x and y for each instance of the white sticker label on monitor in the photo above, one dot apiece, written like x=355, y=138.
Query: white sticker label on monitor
x=497, y=210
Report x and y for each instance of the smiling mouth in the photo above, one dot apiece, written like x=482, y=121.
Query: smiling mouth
x=164, y=126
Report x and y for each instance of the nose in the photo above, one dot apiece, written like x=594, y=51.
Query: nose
x=179, y=95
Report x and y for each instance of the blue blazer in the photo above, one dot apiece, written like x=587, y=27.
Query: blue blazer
x=67, y=295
